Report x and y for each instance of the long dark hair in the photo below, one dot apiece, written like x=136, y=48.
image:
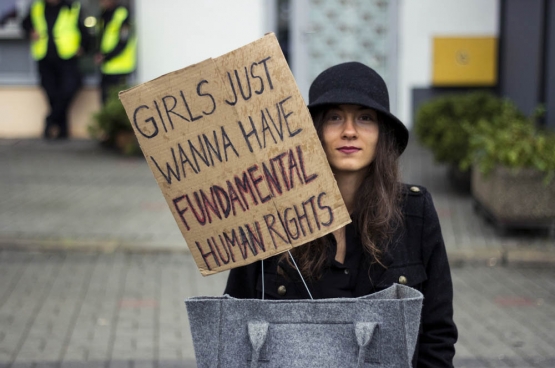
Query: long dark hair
x=377, y=214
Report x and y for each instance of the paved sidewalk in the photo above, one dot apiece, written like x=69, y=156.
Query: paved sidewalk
x=88, y=310
x=77, y=195
x=111, y=294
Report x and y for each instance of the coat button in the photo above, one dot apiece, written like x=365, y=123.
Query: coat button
x=346, y=271
x=282, y=290
x=402, y=280
x=415, y=189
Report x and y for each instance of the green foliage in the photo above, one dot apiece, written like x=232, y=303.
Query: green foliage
x=110, y=121
x=513, y=141
x=439, y=123
x=132, y=148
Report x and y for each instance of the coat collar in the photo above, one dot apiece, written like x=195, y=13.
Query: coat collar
x=369, y=273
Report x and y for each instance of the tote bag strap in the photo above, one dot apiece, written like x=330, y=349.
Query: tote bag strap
x=299, y=271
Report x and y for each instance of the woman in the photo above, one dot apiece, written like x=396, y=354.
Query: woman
x=395, y=235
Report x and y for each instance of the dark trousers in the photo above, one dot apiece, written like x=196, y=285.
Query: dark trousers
x=109, y=81
x=60, y=79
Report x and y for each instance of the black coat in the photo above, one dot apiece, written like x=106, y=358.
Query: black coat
x=417, y=258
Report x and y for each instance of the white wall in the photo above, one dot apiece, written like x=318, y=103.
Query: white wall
x=23, y=109
x=176, y=33
x=419, y=22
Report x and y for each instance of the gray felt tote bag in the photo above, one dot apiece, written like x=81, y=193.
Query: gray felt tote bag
x=378, y=330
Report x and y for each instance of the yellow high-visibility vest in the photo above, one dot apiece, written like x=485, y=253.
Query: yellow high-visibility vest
x=126, y=61
x=67, y=36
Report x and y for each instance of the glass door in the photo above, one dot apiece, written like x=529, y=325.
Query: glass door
x=327, y=32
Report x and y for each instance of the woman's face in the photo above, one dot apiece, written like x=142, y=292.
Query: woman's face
x=350, y=135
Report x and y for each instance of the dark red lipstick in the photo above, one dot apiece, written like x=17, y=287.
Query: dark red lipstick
x=348, y=149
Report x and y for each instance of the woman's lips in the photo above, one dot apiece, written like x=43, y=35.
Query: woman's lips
x=348, y=149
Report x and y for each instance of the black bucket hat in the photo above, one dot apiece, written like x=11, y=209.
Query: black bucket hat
x=356, y=84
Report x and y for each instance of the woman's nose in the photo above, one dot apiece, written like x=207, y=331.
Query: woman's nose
x=349, y=129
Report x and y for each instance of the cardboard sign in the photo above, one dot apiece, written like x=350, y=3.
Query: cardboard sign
x=232, y=145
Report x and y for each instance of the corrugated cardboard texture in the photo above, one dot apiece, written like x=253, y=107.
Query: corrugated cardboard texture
x=232, y=146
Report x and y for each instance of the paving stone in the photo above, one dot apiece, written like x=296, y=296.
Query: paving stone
x=23, y=365
x=120, y=364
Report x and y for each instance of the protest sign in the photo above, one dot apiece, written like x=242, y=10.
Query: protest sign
x=232, y=146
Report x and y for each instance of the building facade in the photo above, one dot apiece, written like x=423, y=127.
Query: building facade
x=396, y=37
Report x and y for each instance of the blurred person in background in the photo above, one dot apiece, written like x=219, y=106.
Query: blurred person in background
x=58, y=38
x=117, y=46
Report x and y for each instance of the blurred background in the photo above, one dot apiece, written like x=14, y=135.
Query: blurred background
x=93, y=267
x=504, y=45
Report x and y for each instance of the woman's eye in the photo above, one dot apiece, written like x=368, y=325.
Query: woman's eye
x=366, y=118
x=333, y=118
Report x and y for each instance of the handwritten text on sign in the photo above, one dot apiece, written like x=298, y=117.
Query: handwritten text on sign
x=233, y=148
